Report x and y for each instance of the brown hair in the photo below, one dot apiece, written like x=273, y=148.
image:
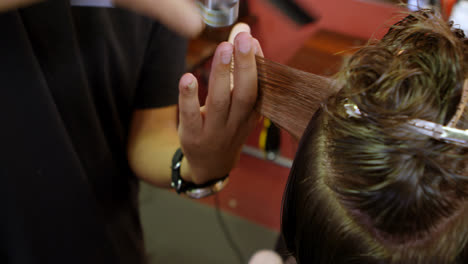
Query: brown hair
x=368, y=190
x=289, y=97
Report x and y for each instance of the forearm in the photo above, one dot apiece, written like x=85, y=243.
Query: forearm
x=180, y=16
x=152, y=145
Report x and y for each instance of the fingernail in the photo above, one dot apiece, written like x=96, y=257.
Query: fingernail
x=191, y=86
x=245, y=44
x=226, y=56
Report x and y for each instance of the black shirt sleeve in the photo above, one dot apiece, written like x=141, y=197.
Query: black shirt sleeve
x=163, y=67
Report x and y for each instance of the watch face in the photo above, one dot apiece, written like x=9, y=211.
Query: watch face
x=197, y=193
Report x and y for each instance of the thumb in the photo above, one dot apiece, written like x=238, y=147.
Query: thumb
x=189, y=107
x=181, y=16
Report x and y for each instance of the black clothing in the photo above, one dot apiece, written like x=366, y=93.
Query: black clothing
x=70, y=78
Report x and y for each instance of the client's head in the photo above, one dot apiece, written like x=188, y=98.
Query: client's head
x=367, y=185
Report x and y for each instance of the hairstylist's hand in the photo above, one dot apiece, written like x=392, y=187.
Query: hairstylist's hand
x=182, y=16
x=6, y=5
x=212, y=136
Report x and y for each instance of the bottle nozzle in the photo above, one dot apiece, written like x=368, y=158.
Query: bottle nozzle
x=219, y=13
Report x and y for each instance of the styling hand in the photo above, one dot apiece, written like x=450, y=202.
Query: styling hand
x=6, y=5
x=212, y=136
x=182, y=16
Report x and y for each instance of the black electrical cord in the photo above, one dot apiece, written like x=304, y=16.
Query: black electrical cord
x=227, y=233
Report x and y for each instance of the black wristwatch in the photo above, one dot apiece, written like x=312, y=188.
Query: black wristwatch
x=190, y=189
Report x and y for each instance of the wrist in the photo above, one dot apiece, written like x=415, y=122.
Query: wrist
x=189, y=188
x=185, y=171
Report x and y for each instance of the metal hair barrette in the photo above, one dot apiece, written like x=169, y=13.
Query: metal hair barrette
x=448, y=133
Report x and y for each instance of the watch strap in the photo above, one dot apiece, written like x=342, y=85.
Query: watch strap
x=189, y=188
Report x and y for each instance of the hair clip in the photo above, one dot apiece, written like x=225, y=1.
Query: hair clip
x=461, y=106
x=352, y=110
x=437, y=131
x=442, y=133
